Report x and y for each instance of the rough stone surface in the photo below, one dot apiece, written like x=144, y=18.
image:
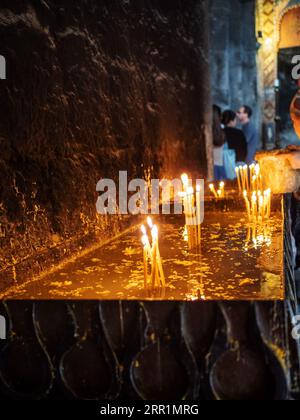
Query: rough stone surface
x=93, y=88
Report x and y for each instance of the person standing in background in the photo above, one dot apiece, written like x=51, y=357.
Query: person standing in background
x=245, y=114
x=235, y=138
x=218, y=142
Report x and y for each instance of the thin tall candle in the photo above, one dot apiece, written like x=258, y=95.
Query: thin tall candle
x=245, y=169
x=247, y=204
x=237, y=171
x=154, y=257
x=222, y=189
x=145, y=260
x=185, y=181
x=242, y=177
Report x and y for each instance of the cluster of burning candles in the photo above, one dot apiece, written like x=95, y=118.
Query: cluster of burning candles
x=153, y=268
x=258, y=205
x=192, y=211
x=258, y=200
x=249, y=178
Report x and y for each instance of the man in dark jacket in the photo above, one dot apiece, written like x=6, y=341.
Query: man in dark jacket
x=250, y=131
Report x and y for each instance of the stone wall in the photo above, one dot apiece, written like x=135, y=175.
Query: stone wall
x=93, y=88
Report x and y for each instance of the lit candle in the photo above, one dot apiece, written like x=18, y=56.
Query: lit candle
x=185, y=181
x=190, y=192
x=150, y=223
x=258, y=176
x=146, y=253
x=260, y=181
x=242, y=177
x=254, y=205
x=154, y=233
x=254, y=184
x=198, y=204
x=213, y=190
x=260, y=207
x=152, y=253
x=247, y=204
x=254, y=238
x=145, y=259
x=185, y=206
x=191, y=206
x=265, y=210
x=245, y=169
x=269, y=194
x=252, y=168
x=159, y=272
x=198, y=210
x=185, y=234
